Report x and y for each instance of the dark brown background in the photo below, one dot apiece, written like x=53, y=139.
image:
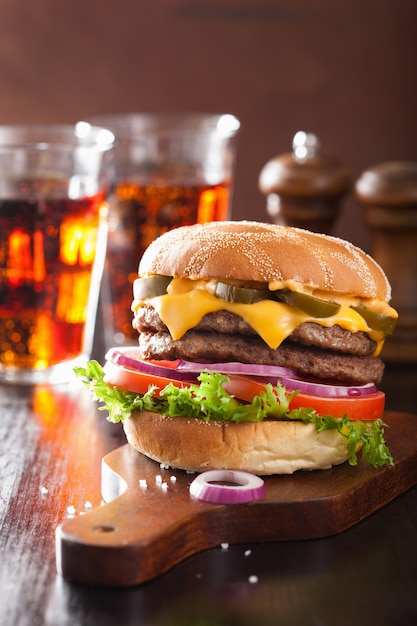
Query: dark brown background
x=344, y=70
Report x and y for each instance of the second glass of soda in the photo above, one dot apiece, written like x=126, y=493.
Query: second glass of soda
x=170, y=170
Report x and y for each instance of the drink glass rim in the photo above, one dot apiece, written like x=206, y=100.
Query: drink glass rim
x=55, y=136
x=127, y=125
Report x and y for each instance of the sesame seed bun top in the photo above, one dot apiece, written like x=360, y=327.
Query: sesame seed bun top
x=255, y=251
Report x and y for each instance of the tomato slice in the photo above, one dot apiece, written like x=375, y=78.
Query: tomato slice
x=243, y=387
x=135, y=381
x=367, y=407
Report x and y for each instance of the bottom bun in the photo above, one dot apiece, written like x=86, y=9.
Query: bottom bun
x=268, y=447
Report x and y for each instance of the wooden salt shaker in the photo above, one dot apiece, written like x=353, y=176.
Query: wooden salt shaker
x=388, y=195
x=303, y=187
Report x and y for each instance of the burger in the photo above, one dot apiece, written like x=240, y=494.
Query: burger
x=258, y=350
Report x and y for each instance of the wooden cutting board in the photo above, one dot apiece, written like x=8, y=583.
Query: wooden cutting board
x=139, y=532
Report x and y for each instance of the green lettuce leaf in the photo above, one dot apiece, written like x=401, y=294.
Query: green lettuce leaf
x=209, y=401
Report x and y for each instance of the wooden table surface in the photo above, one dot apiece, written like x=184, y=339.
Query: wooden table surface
x=52, y=441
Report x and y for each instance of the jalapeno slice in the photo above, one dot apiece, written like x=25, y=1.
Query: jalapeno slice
x=151, y=286
x=241, y=295
x=376, y=321
x=316, y=307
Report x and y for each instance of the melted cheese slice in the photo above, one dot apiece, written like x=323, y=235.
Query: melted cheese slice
x=273, y=321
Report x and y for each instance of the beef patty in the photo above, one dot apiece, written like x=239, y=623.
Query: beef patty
x=313, y=350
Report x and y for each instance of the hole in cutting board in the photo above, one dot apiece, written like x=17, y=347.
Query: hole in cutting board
x=102, y=528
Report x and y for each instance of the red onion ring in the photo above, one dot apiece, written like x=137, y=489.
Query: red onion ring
x=246, y=487
x=326, y=389
x=125, y=357
x=232, y=367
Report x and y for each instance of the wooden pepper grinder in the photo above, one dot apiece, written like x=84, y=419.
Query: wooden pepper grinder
x=303, y=187
x=388, y=194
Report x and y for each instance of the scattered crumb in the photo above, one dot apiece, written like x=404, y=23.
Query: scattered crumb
x=248, y=552
x=71, y=510
x=253, y=579
x=173, y=479
x=88, y=505
x=143, y=484
x=158, y=479
x=224, y=546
